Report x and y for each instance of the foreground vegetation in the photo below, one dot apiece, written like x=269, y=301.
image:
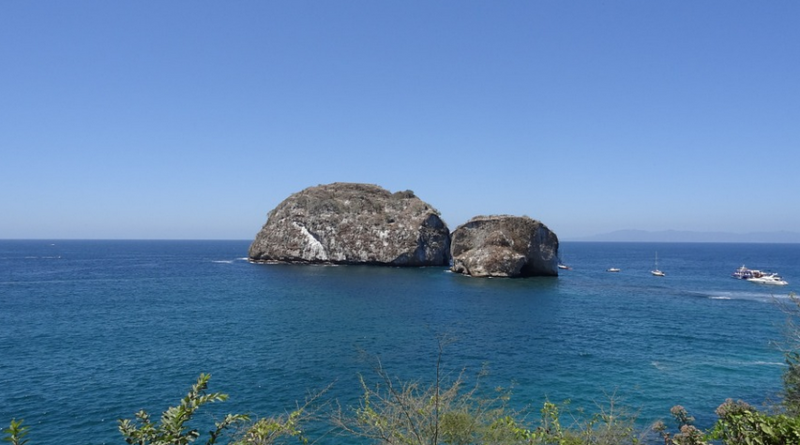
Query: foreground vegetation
x=449, y=412
x=397, y=413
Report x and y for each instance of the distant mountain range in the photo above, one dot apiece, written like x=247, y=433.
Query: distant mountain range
x=678, y=236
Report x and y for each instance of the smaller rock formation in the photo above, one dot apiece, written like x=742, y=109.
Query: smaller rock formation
x=504, y=246
x=348, y=223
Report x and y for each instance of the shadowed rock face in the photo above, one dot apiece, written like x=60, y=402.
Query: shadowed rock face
x=345, y=223
x=504, y=246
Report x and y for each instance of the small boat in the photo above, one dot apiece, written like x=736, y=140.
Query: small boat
x=612, y=269
x=770, y=278
x=561, y=264
x=656, y=272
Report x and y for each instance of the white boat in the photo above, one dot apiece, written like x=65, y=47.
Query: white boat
x=771, y=278
x=561, y=264
x=758, y=276
x=612, y=269
x=657, y=272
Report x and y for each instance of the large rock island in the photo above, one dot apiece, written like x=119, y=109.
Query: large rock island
x=347, y=223
x=504, y=246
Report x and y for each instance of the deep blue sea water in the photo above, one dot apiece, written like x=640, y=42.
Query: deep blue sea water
x=93, y=331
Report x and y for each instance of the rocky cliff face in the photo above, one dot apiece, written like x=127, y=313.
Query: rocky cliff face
x=504, y=246
x=345, y=223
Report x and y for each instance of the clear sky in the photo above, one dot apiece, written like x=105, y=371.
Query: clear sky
x=193, y=119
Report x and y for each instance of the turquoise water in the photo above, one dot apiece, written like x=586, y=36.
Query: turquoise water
x=92, y=331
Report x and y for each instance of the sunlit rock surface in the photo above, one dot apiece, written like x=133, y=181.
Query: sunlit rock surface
x=504, y=246
x=347, y=223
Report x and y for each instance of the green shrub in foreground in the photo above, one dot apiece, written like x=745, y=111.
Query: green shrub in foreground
x=406, y=413
x=16, y=432
x=173, y=427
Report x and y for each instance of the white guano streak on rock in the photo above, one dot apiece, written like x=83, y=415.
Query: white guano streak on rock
x=383, y=235
x=314, y=250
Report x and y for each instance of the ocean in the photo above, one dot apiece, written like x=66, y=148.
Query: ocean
x=94, y=331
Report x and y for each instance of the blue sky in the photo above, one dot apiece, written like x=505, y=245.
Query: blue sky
x=191, y=120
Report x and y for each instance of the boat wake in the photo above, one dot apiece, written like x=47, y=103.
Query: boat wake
x=231, y=261
x=766, y=363
x=731, y=364
x=741, y=295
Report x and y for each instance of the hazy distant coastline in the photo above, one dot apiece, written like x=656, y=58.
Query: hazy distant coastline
x=678, y=236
